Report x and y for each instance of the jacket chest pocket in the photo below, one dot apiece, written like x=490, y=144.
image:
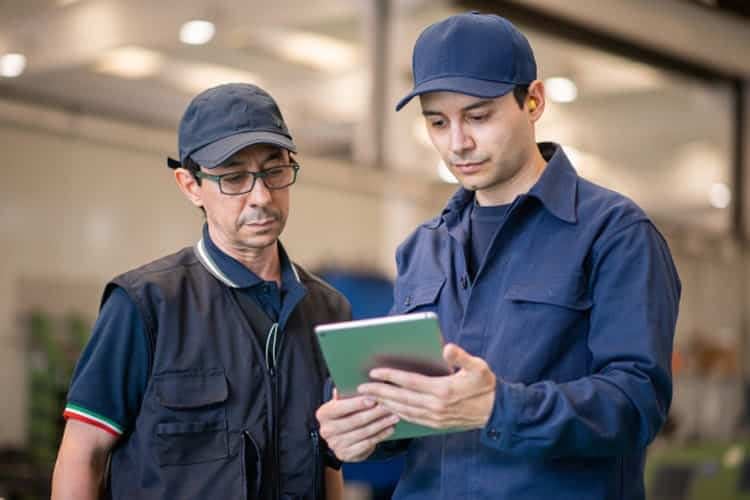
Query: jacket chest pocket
x=191, y=423
x=552, y=304
x=417, y=297
x=544, y=327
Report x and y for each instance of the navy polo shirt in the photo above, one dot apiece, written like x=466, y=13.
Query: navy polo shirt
x=574, y=309
x=111, y=375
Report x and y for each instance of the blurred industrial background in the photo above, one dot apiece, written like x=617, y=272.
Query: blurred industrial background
x=648, y=97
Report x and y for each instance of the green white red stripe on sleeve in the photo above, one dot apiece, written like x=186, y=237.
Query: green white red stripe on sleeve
x=77, y=412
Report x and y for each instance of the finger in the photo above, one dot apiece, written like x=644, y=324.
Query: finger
x=426, y=418
x=438, y=415
x=336, y=427
x=363, y=449
x=419, y=416
x=365, y=433
x=335, y=393
x=387, y=392
x=338, y=408
x=406, y=411
x=407, y=380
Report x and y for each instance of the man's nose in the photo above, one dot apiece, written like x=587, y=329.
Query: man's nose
x=260, y=195
x=461, y=141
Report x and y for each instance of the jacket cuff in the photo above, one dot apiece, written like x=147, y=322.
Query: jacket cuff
x=500, y=428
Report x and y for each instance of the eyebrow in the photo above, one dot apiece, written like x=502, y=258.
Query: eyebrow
x=474, y=105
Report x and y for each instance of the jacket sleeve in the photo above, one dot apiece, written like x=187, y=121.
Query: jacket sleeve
x=623, y=403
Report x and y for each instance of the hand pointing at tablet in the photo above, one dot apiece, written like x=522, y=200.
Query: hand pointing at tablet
x=463, y=399
x=352, y=427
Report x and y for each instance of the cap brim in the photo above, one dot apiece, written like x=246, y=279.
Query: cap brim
x=219, y=151
x=460, y=84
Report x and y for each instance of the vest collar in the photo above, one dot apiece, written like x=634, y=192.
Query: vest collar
x=203, y=253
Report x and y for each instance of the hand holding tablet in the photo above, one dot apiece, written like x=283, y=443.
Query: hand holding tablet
x=410, y=342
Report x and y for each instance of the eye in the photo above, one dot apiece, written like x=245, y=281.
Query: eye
x=235, y=179
x=436, y=123
x=478, y=118
x=274, y=172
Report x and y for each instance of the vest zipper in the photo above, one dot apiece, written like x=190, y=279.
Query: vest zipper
x=271, y=358
x=316, y=460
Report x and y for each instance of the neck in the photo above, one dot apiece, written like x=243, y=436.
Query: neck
x=264, y=262
x=520, y=183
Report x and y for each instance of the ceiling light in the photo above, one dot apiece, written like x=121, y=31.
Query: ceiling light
x=130, y=62
x=445, y=173
x=560, y=89
x=12, y=65
x=197, y=32
x=342, y=95
x=311, y=49
x=719, y=195
x=194, y=78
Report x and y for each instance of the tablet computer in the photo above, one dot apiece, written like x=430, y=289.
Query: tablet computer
x=410, y=342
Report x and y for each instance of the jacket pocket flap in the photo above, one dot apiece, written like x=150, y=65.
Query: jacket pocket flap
x=568, y=292
x=191, y=390
x=410, y=297
x=189, y=427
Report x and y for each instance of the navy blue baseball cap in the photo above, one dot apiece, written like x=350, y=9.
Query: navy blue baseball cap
x=220, y=121
x=482, y=55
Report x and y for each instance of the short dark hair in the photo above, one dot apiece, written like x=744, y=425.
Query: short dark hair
x=520, y=92
x=191, y=166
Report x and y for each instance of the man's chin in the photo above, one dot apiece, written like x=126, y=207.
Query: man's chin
x=469, y=185
x=260, y=237
x=262, y=240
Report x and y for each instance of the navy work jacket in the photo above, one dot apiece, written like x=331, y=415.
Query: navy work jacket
x=574, y=308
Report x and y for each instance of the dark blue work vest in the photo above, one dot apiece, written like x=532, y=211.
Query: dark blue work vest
x=217, y=420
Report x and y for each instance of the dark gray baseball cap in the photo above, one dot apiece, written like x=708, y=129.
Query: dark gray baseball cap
x=220, y=121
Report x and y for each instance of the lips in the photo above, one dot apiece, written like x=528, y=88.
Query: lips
x=468, y=168
x=261, y=223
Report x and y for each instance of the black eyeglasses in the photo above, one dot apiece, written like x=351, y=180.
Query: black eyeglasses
x=234, y=183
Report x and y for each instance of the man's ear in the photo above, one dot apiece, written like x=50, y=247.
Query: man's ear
x=535, y=100
x=189, y=186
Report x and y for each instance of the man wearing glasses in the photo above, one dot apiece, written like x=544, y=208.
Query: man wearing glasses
x=202, y=376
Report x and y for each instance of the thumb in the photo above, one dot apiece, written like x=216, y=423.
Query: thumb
x=455, y=356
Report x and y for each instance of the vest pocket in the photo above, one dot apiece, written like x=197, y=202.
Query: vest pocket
x=191, y=423
x=191, y=442
x=252, y=461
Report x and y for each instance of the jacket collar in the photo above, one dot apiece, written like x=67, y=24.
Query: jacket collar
x=558, y=185
x=556, y=189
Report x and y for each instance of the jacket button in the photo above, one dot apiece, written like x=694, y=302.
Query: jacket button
x=493, y=434
x=464, y=282
x=407, y=301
